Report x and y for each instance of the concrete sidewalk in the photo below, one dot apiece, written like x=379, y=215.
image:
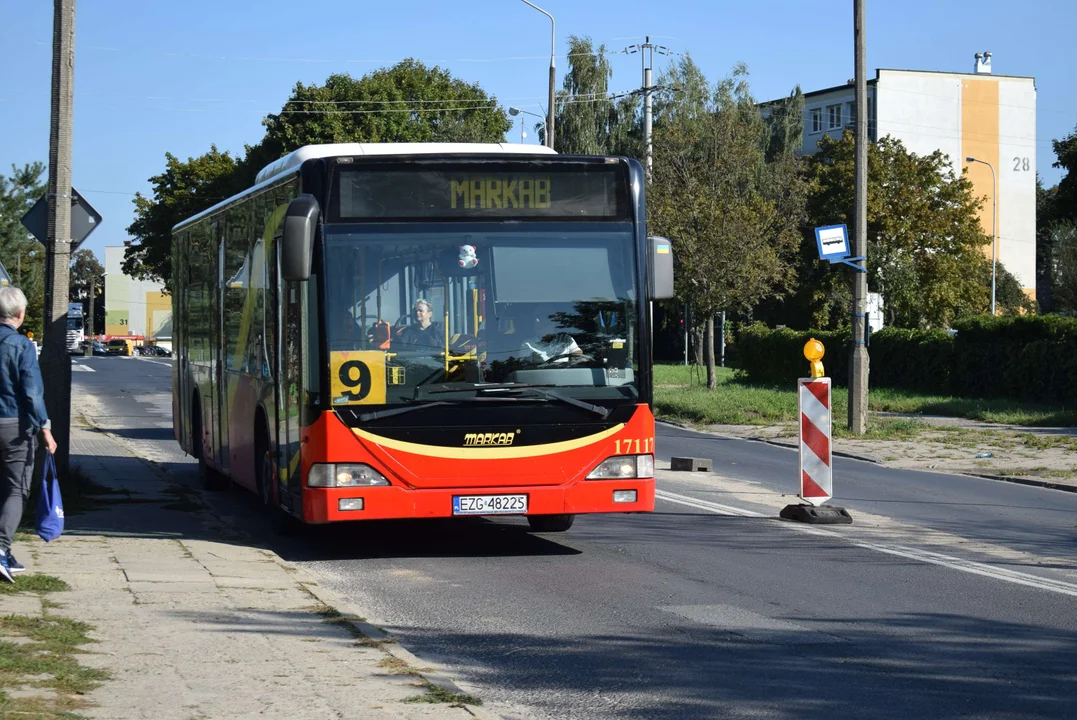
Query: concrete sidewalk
x=194, y=621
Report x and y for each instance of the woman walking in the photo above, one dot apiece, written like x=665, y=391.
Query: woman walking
x=22, y=417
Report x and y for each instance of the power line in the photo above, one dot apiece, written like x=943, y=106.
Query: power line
x=327, y=61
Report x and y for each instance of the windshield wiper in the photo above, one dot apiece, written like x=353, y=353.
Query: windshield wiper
x=423, y=404
x=367, y=417
x=596, y=409
x=539, y=390
x=484, y=387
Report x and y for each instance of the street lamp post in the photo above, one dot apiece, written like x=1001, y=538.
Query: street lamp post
x=514, y=111
x=994, y=227
x=553, y=71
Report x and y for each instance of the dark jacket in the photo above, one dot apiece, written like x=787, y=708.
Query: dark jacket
x=22, y=393
x=433, y=336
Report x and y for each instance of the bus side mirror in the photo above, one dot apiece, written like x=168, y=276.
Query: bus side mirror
x=661, y=275
x=297, y=245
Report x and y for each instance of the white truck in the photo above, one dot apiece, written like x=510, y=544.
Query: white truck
x=76, y=332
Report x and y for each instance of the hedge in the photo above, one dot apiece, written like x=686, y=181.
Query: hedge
x=1033, y=358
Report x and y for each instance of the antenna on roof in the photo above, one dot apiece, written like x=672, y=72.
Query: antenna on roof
x=983, y=63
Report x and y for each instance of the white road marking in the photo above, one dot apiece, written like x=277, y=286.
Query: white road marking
x=155, y=362
x=76, y=367
x=934, y=558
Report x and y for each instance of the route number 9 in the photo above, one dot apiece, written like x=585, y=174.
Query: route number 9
x=354, y=376
x=357, y=377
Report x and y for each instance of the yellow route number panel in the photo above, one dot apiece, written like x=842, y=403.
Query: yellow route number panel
x=357, y=377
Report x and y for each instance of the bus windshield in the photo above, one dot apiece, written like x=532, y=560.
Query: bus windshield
x=455, y=307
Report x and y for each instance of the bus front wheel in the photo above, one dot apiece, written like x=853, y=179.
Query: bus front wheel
x=550, y=523
x=280, y=522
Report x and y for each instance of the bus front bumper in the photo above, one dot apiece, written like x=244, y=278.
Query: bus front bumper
x=323, y=505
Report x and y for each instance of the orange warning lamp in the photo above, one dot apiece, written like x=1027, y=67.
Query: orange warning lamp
x=813, y=352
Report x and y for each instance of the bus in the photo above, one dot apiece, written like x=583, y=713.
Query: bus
x=381, y=331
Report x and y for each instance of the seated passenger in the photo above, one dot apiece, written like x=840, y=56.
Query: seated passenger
x=424, y=333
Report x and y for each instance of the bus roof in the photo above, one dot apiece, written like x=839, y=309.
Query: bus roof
x=297, y=157
x=290, y=163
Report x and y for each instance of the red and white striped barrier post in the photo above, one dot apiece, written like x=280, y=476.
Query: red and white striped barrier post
x=816, y=469
x=816, y=456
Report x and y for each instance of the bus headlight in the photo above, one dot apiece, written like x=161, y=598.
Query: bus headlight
x=344, y=475
x=624, y=466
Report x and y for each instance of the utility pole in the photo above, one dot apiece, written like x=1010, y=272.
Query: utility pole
x=93, y=288
x=55, y=362
x=553, y=72
x=647, y=51
x=858, y=365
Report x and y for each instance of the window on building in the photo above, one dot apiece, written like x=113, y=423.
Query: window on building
x=816, y=120
x=834, y=116
x=850, y=114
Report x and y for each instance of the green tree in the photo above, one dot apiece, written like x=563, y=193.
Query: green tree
x=20, y=253
x=1062, y=238
x=1045, y=225
x=408, y=102
x=925, y=242
x=785, y=120
x=185, y=188
x=86, y=272
x=1065, y=194
x=733, y=217
x=588, y=120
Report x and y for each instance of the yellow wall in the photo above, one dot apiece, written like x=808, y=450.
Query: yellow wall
x=979, y=139
x=157, y=304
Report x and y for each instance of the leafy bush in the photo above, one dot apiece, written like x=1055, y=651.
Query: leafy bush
x=1026, y=357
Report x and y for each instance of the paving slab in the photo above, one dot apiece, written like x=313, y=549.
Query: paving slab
x=193, y=621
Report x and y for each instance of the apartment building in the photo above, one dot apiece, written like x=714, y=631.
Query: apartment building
x=980, y=114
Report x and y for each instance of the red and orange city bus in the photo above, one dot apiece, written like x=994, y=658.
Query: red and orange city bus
x=382, y=331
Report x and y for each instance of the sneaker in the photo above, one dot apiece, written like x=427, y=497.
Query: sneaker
x=14, y=565
x=5, y=571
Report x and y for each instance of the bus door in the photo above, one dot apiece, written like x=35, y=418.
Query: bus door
x=289, y=377
x=218, y=424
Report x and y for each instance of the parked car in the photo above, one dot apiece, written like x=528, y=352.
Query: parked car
x=99, y=348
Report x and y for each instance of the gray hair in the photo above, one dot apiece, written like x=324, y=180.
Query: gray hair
x=12, y=302
x=423, y=303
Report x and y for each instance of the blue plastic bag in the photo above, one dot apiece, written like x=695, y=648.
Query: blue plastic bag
x=50, y=506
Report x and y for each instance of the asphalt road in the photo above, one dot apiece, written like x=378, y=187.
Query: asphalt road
x=1036, y=520
x=688, y=613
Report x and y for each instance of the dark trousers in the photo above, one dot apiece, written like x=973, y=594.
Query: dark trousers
x=16, y=469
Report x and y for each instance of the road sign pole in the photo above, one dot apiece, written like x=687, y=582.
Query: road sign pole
x=55, y=362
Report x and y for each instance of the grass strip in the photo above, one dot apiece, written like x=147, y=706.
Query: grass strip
x=435, y=694
x=681, y=395
x=40, y=653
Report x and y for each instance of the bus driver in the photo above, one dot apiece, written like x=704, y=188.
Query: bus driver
x=425, y=332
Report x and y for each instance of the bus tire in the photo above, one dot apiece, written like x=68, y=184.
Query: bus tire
x=208, y=478
x=280, y=522
x=550, y=523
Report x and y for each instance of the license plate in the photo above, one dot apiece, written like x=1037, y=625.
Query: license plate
x=489, y=504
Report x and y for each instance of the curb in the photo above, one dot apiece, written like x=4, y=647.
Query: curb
x=330, y=598
x=1031, y=482
x=768, y=441
x=388, y=644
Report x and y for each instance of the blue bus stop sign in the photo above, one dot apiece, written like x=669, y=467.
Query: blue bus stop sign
x=833, y=243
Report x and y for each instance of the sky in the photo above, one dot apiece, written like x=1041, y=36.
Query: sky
x=157, y=77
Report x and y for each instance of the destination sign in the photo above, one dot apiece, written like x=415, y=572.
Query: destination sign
x=423, y=193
